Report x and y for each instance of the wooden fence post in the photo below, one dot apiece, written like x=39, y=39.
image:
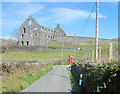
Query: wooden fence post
x=100, y=54
x=92, y=55
x=86, y=57
x=89, y=57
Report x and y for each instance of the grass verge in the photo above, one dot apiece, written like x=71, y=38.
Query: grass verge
x=18, y=76
x=23, y=76
x=75, y=86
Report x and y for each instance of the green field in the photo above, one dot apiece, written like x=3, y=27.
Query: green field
x=55, y=54
x=46, y=55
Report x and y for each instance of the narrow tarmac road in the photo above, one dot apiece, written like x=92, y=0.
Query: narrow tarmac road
x=55, y=81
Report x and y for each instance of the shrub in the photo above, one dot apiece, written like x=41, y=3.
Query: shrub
x=97, y=78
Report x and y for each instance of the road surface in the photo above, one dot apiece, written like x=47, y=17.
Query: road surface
x=55, y=81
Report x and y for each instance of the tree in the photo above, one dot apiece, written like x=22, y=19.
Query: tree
x=15, y=34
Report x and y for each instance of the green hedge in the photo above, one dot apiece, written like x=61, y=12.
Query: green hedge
x=104, y=77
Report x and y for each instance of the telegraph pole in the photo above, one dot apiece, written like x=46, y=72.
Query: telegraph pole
x=96, y=57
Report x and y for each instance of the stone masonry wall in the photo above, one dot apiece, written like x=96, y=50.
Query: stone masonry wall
x=33, y=34
x=26, y=48
x=82, y=39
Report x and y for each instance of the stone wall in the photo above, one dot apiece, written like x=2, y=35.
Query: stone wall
x=82, y=39
x=33, y=34
x=81, y=48
x=33, y=61
x=26, y=48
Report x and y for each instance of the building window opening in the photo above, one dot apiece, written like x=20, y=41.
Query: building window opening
x=36, y=36
x=22, y=36
x=35, y=28
x=22, y=43
x=41, y=28
x=27, y=42
x=24, y=30
x=30, y=22
x=45, y=35
x=45, y=30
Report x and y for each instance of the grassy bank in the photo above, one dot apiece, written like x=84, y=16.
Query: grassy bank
x=55, y=54
x=19, y=76
x=75, y=86
x=46, y=55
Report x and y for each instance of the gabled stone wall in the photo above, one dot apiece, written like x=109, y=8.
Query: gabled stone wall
x=33, y=34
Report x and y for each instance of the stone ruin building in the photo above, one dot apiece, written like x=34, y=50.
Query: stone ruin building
x=33, y=34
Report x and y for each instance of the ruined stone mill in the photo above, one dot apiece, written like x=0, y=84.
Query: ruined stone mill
x=35, y=37
x=33, y=34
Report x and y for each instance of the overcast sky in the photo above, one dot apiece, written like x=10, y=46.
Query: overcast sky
x=70, y=15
